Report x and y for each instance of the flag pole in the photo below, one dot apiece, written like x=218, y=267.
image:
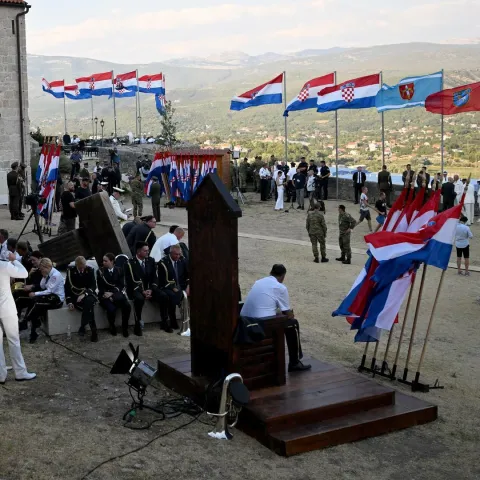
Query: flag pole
x=139, y=118
x=93, y=129
x=402, y=332
x=415, y=321
x=336, y=146
x=65, y=109
x=136, y=108
x=443, y=141
x=114, y=109
x=286, y=118
x=383, y=125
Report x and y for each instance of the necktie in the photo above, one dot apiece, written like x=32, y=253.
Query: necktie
x=143, y=265
x=176, y=272
x=359, y=177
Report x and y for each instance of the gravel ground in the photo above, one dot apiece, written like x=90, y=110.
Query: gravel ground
x=70, y=419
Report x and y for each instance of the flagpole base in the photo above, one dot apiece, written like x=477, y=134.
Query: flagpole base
x=362, y=367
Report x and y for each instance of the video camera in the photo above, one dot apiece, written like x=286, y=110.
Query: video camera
x=34, y=199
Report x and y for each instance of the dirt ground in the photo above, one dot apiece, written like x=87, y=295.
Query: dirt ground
x=70, y=419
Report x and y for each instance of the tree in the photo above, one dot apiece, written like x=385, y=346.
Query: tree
x=168, y=137
x=38, y=136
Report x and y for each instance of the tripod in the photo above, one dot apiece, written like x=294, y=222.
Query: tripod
x=239, y=195
x=36, y=228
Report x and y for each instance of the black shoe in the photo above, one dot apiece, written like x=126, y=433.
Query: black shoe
x=94, y=337
x=137, y=330
x=316, y=260
x=81, y=331
x=23, y=326
x=125, y=332
x=2, y=383
x=341, y=259
x=347, y=262
x=325, y=260
x=113, y=330
x=303, y=208
x=33, y=337
x=299, y=207
x=167, y=328
x=299, y=367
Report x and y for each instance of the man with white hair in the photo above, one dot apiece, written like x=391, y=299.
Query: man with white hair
x=9, y=269
x=173, y=237
x=459, y=188
x=117, y=204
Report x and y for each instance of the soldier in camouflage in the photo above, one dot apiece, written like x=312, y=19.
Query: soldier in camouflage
x=233, y=175
x=317, y=230
x=137, y=196
x=346, y=224
x=256, y=173
x=242, y=174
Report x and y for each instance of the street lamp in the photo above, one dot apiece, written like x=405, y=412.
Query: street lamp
x=96, y=129
x=102, y=124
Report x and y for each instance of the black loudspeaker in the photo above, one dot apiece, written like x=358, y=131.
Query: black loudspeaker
x=122, y=364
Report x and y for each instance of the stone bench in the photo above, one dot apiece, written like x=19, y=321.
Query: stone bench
x=57, y=321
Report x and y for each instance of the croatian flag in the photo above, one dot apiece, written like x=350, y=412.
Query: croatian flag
x=173, y=179
x=426, y=213
x=48, y=194
x=160, y=103
x=195, y=173
x=152, y=84
x=266, y=94
x=52, y=173
x=73, y=93
x=98, y=84
x=41, y=163
x=308, y=96
x=410, y=212
x=356, y=93
x=125, y=85
x=187, y=191
x=56, y=88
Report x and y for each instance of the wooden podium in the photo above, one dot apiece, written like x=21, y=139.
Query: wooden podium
x=289, y=414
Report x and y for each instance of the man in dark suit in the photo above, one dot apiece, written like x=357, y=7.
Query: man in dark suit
x=407, y=176
x=173, y=281
x=80, y=288
x=359, y=179
x=14, y=192
x=142, y=285
x=385, y=183
x=448, y=194
x=143, y=233
x=111, y=286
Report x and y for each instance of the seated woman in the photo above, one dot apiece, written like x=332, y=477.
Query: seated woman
x=50, y=296
x=111, y=293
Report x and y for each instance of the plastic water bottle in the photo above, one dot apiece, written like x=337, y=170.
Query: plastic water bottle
x=69, y=332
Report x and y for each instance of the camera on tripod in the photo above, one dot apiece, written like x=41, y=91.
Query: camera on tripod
x=34, y=199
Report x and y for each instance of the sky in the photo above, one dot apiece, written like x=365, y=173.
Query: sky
x=113, y=30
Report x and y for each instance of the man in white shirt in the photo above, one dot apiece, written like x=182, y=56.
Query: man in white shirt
x=365, y=209
x=459, y=187
x=268, y=295
x=3, y=244
x=265, y=177
x=116, y=204
x=11, y=268
x=173, y=237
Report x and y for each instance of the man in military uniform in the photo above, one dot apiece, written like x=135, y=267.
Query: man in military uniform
x=155, y=195
x=233, y=175
x=324, y=174
x=14, y=192
x=317, y=230
x=137, y=196
x=385, y=183
x=242, y=174
x=346, y=224
x=256, y=174
x=80, y=288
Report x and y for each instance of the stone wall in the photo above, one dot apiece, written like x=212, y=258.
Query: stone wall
x=10, y=136
x=346, y=191
x=128, y=155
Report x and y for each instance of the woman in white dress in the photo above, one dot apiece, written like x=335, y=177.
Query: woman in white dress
x=279, y=181
x=469, y=205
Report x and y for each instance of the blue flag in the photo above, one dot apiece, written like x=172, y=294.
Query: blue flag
x=409, y=92
x=160, y=103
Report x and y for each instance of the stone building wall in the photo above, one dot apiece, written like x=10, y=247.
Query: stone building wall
x=10, y=132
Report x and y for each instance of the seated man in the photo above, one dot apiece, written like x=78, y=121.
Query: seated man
x=142, y=285
x=268, y=295
x=173, y=237
x=111, y=287
x=80, y=288
x=173, y=281
x=50, y=296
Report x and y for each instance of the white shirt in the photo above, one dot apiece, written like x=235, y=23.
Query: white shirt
x=76, y=140
x=291, y=172
x=53, y=284
x=463, y=234
x=470, y=196
x=311, y=184
x=459, y=187
x=363, y=202
x=117, y=209
x=9, y=270
x=266, y=296
x=161, y=244
x=265, y=173
x=4, y=251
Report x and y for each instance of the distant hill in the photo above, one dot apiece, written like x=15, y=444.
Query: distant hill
x=201, y=88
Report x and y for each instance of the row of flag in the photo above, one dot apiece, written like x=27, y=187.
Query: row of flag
x=179, y=175
x=122, y=85
x=46, y=177
x=413, y=233
x=324, y=94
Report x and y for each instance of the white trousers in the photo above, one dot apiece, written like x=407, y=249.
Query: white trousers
x=469, y=209
x=10, y=326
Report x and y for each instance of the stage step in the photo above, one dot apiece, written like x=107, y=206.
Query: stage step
x=407, y=412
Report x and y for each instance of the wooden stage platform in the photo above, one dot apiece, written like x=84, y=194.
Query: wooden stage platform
x=321, y=408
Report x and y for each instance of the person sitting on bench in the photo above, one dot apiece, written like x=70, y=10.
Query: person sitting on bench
x=111, y=286
x=142, y=285
x=80, y=288
x=268, y=295
x=173, y=281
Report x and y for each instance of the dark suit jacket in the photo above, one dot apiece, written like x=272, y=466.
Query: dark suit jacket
x=363, y=178
x=384, y=180
x=13, y=183
x=166, y=273
x=110, y=282
x=137, y=279
x=77, y=283
x=448, y=192
x=141, y=233
x=407, y=176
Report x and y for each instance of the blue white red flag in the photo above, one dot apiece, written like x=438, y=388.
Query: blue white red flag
x=73, y=93
x=41, y=163
x=426, y=213
x=265, y=94
x=195, y=173
x=160, y=103
x=357, y=93
x=308, y=96
x=187, y=192
x=52, y=172
x=152, y=83
x=55, y=88
x=410, y=212
x=98, y=84
x=173, y=179
x=125, y=85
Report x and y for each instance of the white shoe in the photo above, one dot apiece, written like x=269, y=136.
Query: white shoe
x=2, y=382
x=27, y=376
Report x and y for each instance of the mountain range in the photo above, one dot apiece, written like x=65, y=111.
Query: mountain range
x=201, y=88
